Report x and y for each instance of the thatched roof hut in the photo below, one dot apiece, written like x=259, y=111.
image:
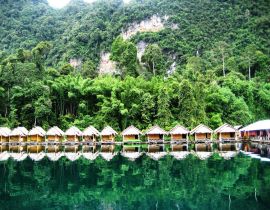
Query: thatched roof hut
x=202, y=132
x=131, y=133
x=90, y=133
x=19, y=131
x=108, y=131
x=226, y=132
x=73, y=133
x=55, y=131
x=179, y=132
x=155, y=133
x=4, y=131
x=37, y=131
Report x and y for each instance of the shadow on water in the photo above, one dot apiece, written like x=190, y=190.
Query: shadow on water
x=156, y=176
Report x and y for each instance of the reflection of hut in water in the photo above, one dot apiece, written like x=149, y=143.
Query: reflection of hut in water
x=4, y=134
x=203, y=147
x=35, y=148
x=18, y=134
x=152, y=148
x=87, y=148
x=73, y=134
x=90, y=134
x=155, y=134
x=131, y=134
x=107, y=148
x=226, y=132
x=36, y=134
x=131, y=148
x=179, y=147
x=73, y=148
x=17, y=148
x=107, y=152
x=52, y=148
x=227, y=147
x=202, y=133
x=108, y=134
x=54, y=134
x=179, y=133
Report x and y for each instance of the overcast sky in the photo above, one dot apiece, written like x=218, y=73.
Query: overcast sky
x=61, y=3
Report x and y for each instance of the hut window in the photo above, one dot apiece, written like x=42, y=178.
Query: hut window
x=231, y=135
x=184, y=136
x=136, y=136
x=160, y=136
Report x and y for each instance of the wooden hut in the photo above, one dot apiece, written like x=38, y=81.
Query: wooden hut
x=202, y=133
x=4, y=134
x=131, y=134
x=108, y=134
x=90, y=134
x=18, y=134
x=73, y=134
x=36, y=134
x=155, y=134
x=258, y=131
x=54, y=134
x=226, y=132
x=179, y=133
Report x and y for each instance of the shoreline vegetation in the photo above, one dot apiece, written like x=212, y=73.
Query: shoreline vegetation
x=219, y=51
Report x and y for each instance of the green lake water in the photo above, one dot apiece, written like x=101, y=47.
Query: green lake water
x=240, y=183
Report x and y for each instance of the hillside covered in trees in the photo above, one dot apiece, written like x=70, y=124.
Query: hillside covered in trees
x=209, y=64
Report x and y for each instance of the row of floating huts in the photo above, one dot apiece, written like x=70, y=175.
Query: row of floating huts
x=202, y=132
x=108, y=134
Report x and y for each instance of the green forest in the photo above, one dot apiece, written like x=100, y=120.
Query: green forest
x=220, y=49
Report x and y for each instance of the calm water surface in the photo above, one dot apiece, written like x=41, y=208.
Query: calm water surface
x=215, y=183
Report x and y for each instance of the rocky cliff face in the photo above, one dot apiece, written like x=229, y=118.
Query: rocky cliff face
x=153, y=24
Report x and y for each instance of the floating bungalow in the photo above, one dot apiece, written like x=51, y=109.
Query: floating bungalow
x=226, y=132
x=202, y=133
x=108, y=134
x=258, y=131
x=18, y=134
x=155, y=134
x=131, y=134
x=73, y=134
x=36, y=134
x=54, y=134
x=179, y=133
x=90, y=134
x=4, y=134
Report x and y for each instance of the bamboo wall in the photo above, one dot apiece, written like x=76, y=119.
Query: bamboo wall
x=89, y=138
x=226, y=135
x=36, y=138
x=130, y=137
x=154, y=137
x=72, y=138
x=107, y=138
x=201, y=136
x=54, y=138
x=4, y=139
x=18, y=138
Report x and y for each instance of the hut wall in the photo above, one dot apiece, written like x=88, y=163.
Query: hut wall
x=227, y=135
x=178, y=137
x=35, y=149
x=89, y=138
x=4, y=139
x=154, y=137
x=107, y=138
x=201, y=136
x=72, y=138
x=18, y=138
x=36, y=138
x=54, y=138
x=53, y=148
x=130, y=137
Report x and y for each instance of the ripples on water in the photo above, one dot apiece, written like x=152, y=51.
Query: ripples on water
x=136, y=177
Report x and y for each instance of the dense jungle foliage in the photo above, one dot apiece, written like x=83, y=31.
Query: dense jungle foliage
x=220, y=47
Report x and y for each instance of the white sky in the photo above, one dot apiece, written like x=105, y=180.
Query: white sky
x=61, y=3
